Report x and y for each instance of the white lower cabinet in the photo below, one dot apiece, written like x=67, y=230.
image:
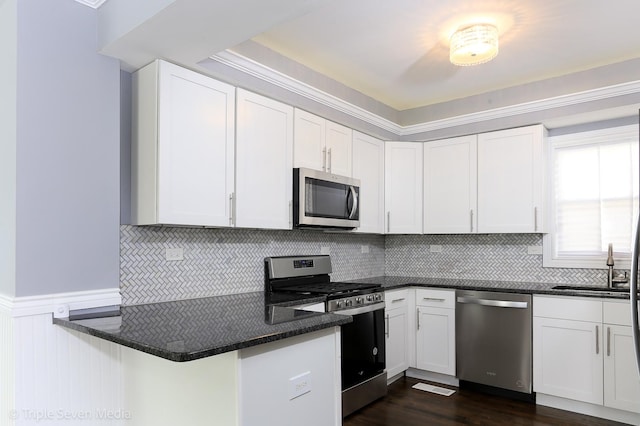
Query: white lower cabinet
x=436, y=328
x=397, y=331
x=582, y=352
x=621, y=379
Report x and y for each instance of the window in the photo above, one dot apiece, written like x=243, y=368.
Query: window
x=593, y=197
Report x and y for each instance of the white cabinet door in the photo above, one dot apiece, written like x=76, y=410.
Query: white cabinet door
x=368, y=166
x=403, y=187
x=320, y=144
x=567, y=359
x=435, y=346
x=264, y=162
x=510, y=180
x=339, y=149
x=183, y=147
x=397, y=331
x=621, y=380
x=309, y=148
x=450, y=186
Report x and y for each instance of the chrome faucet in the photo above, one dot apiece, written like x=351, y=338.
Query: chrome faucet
x=610, y=265
x=612, y=279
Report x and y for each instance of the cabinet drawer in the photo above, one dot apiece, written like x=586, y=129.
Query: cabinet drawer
x=616, y=312
x=396, y=299
x=570, y=308
x=436, y=298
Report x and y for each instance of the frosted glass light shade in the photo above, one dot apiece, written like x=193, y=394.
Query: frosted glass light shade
x=474, y=45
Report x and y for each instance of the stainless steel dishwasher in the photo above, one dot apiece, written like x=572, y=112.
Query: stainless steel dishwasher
x=493, y=340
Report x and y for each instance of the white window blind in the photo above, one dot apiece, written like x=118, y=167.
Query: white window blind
x=594, y=197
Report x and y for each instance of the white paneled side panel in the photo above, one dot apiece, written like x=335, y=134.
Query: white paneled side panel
x=7, y=368
x=67, y=377
x=265, y=374
x=160, y=392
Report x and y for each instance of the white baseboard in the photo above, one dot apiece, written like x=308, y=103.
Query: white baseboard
x=588, y=409
x=59, y=304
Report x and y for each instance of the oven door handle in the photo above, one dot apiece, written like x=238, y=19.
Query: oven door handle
x=360, y=309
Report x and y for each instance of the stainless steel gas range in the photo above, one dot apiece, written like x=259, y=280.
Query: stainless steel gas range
x=364, y=378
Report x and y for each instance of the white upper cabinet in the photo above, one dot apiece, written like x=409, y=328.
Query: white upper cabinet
x=264, y=162
x=450, y=186
x=511, y=180
x=320, y=144
x=182, y=148
x=368, y=166
x=403, y=187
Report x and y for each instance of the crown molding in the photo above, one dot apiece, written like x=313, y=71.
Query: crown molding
x=92, y=3
x=255, y=69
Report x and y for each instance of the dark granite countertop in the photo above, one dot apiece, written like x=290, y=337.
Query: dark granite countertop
x=397, y=282
x=186, y=330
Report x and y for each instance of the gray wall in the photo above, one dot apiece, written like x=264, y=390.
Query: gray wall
x=67, y=152
x=8, y=75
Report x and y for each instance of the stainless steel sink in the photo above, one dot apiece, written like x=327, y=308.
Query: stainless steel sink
x=590, y=289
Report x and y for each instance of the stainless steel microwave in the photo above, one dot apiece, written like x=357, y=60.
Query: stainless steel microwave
x=325, y=200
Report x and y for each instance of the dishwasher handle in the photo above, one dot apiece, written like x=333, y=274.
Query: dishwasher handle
x=495, y=303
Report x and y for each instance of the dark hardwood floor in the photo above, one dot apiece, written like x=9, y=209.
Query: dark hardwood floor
x=405, y=406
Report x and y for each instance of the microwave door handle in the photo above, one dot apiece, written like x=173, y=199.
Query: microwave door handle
x=354, y=209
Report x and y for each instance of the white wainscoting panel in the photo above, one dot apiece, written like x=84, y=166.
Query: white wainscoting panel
x=7, y=368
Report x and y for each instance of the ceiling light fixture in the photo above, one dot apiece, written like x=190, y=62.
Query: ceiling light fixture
x=474, y=45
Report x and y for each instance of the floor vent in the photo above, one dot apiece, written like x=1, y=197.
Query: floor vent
x=433, y=389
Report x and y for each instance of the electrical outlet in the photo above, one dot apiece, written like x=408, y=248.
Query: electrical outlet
x=435, y=249
x=299, y=385
x=534, y=250
x=325, y=250
x=172, y=254
x=364, y=249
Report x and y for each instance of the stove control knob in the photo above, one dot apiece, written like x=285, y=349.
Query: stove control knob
x=370, y=298
x=339, y=304
x=359, y=300
x=348, y=303
x=378, y=297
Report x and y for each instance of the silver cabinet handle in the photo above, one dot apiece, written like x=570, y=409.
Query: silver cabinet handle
x=608, y=341
x=495, y=303
x=324, y=159
x=535, y=219
x=329, y=160
x=386, y=331
x=397, y=300
x=231, y=209
x=597, y=339
x=388, y=221
x=433, y=299
x=418, y=318
x=354, y=208
x=471, y=214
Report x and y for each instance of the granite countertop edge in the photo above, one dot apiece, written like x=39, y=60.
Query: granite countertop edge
x=259, y=334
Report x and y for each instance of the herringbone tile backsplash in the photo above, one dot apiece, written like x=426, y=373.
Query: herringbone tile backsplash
x=225, y=261
x=499, y=257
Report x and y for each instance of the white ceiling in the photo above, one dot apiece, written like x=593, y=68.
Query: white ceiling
x=394, y=51
x=397, y=51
